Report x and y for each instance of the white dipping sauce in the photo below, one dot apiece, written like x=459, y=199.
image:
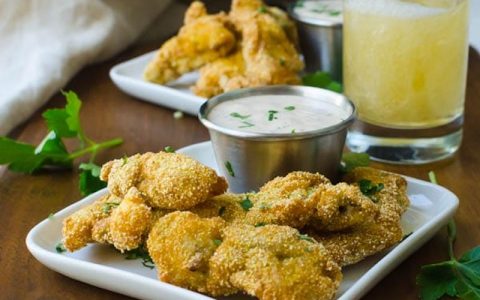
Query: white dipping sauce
x=328, y=10
x=276, y=114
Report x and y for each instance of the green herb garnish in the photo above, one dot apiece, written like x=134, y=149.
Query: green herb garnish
x=124, y=160
x=107, y=206
x=322, y=80
x=60, y=248
x=239, y=116
x=455, y=278
x=89, y=180
x=293, y=131
x=169, y=149
x=352, y=160
x=51, y=217
x=289, y=108
x=271, y=115
x=334, y=13
x=140, y=253
x=261, y=224
x=246, y=204
x=247, y=124
x=262, y=9
x=306, y=237
x=282, y=62
x=369, y=189
x=221, y=211
x=62, y=124
x=217, y=242
x=229, y=168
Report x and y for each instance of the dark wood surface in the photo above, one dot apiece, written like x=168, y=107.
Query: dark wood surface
x=107, y=113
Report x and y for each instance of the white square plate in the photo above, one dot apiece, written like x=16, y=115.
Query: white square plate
x=128, y=76
x=431, y=208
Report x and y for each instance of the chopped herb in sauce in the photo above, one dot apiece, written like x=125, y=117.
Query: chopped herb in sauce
x=107, y=206
x=60, y=248
x=229, y=168
x=246, y=124
x=169, y=149
x=246, y=204
x=217, y=242
x=289, y=108
x=272, y=115
x=239, y=116
x=334, y=13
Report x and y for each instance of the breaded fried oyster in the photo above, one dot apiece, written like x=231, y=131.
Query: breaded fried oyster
x=181, y=244
x=288, y=200
x=273, y=262
x=227, y=206
x=77, y=228
x=165, y=180
x=202, y=39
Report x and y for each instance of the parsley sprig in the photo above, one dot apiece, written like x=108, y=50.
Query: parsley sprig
x=458, y=278
x=51, y=152
x=322, y=80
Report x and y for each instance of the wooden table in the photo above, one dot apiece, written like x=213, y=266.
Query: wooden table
x=107, y=113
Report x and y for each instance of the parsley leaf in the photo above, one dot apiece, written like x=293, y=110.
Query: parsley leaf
x=246, y=203
x=89, y=180
x=62, y=123
x=272, y=115
x=140, y=253
x=322, y=80
x=306, y=237
x=289, y=108
x=169, y=149
x=353, y=160
x=217, y=242
x=369, y=189
x=455, y=278
x=60, y=248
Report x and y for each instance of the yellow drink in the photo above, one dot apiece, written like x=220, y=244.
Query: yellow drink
x=405, y=61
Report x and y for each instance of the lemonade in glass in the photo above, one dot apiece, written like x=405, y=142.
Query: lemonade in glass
x=405, y=66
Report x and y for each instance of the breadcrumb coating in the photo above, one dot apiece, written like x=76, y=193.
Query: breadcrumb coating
x=165, y=180
x=288, y=200
x=77, y=228
x=181, y=244
x=272, y=262
x=342, y=206
x=226, y=206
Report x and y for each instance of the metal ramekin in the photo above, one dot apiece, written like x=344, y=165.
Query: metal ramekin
x=256, y=158
x=321, y=44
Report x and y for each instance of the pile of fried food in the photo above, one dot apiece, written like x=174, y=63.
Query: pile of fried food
x=252, y=45
x=287, y=241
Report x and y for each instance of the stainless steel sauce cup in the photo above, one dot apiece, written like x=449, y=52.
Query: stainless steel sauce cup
x=321, y=44
x=249, y=159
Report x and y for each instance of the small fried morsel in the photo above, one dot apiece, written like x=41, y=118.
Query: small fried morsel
x=342, y=206
x=288, y=200
x=77, y=228
x=273, y=262
x=351, y=246
x=394, y=185
x=181, y=244
x=165, y=180
x=227, y=206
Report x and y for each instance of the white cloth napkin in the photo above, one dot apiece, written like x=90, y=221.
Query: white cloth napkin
x=43, y=43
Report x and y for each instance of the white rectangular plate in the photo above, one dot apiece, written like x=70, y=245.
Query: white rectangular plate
x=128, y=76
x=431, y=208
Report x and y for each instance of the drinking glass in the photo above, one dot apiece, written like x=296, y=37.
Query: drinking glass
x=405, y=67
